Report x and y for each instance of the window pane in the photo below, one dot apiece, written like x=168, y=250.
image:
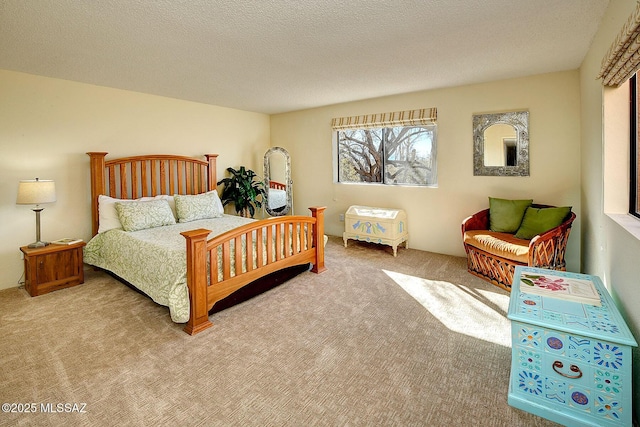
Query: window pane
x=634, y=165
x=360, y=155
x=634, y=140
x=410, y=155
x=402, y=155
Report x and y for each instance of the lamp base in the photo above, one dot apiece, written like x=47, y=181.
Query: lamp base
x=38, y=244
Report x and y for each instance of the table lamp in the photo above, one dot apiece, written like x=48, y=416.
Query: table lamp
x=36, y=192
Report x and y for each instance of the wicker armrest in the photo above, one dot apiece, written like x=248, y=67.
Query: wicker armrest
x=478, y=221
x=547, y=250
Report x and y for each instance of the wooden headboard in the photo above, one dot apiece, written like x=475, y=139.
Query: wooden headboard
x=148, y=176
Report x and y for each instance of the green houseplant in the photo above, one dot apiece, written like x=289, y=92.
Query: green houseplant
x=242, y=191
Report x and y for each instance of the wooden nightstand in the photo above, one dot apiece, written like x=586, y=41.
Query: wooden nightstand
x=52, y=267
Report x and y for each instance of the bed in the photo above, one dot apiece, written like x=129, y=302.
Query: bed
x=199, y=257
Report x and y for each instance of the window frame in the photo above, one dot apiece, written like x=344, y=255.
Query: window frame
x=633, y=147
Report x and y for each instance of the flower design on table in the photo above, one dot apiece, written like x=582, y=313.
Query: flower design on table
x=545, y=282
x=529, y=337
x=530, y=382
x=400, y=227
x=530, y=359
x=608, y=406
x=607, y=356
x=610, y=382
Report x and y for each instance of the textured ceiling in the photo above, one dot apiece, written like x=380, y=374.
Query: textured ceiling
x=274, y=56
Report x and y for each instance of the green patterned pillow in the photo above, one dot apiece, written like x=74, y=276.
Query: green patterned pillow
x=198, y=206
x=506, y=215
x=136, y=215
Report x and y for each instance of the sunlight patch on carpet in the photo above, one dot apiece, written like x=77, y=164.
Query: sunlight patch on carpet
x=474, y=312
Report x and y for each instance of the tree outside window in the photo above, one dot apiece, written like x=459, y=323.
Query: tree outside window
x=401, y=155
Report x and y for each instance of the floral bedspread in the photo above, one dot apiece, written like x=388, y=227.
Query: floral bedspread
x=154, y=260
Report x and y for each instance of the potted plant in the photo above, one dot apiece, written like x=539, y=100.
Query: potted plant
x=242, y=191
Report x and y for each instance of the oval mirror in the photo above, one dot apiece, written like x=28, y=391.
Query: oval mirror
x=278, y=184
x=501, y=144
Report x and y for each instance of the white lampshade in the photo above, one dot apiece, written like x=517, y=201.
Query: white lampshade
x=36, y=192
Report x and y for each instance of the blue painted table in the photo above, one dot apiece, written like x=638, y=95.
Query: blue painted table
x=571, y=362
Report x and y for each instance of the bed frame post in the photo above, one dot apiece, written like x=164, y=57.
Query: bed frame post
x=212, y=178
x=197, y=281
x=97, y=186
x=318, y=238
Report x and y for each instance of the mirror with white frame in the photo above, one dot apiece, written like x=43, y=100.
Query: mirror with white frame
x=501, y=144
x=277, y=182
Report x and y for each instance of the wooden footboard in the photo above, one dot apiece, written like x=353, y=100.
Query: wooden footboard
x=242, y=255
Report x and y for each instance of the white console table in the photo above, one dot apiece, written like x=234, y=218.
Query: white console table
x=376, y=225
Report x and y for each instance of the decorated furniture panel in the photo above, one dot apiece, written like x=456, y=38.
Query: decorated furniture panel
x=571, y=362
x=377, y=225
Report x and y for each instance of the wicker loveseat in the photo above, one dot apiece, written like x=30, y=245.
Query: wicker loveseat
x=493, y=255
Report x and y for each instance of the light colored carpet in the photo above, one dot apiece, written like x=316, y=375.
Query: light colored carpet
x=374, y=341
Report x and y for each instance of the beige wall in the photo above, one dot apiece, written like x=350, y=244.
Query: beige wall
x=47, y=126
x=609, y=249
x=434, y=214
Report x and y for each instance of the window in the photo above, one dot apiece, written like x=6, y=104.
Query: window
x=392, y=148
x=634, y=161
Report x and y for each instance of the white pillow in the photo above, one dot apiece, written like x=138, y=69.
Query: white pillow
x=108, y=216
x=198, y=206
x=218, y=201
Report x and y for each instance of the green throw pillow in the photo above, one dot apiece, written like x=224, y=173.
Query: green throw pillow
x=539, y=220
x=506, y=215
